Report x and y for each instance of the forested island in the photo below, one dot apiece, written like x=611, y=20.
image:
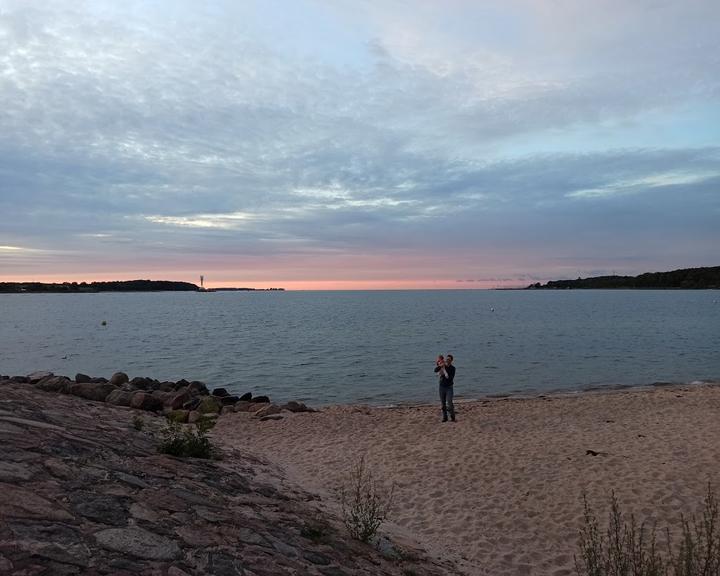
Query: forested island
x=685, y=279
x=115, y=286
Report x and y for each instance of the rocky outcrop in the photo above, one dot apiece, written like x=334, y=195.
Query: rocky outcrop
x=83, y=492
x=152, y=395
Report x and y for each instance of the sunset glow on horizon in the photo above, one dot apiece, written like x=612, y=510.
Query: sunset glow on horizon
x=357, y=145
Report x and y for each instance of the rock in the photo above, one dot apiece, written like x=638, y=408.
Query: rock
x=246, y=397
x=260, y=400
x=228, y=410
x=20, y=379
x=229, y=400
x=179, y=416
x=140, y=383
x=91, y=391
x=145, y=401
x=220, y=392
x=102, y=508
x=271, y=417
x=14, y=471
x=143, y=513
x=82, y=378
x=316, y=558
x=244, y=406
x=179, y=399
x=166, y=386
x=164, y=397
x=193, y=416
x=35, y=377
x=293, y=406
x=139, y=543
x=181, y=384
x=54, y=384
x=119, y=378
x=20, y=503
x=197, y=388
x=99, y=380
x=191, y=404
x=209, y=404
x=268, y=410
x=119, y=397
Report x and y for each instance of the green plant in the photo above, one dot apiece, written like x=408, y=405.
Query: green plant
x=186, y=441
x=365, y=505
x=138, y=422
x=628, y=550
x=699, y=550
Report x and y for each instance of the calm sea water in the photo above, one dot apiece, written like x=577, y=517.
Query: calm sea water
x=371, y=347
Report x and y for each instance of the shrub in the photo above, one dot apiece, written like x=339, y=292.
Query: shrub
x=365, y=506
x=186, y=441
x=628, y=550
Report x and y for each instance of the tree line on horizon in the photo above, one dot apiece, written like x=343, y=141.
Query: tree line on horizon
x=113, y=286
x=685, y=278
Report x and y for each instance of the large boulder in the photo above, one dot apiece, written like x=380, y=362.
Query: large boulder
x=145, y=401
x=35, y=377
x=20, y=379
x=260, y=399
x=166, y=386
x=119, y=397
x=181, y=384
x=209, y=405
x=293, y=406
x=244, y=406
x=220, y=392
x=91, y=391
x=228, y=400
x=82, y=378
x=54, y=384
x=140, y=383
x=192, y=404
x=268, y=410
x=246, y=397
x=197, y=388
x=119, y=378
x=177, y=400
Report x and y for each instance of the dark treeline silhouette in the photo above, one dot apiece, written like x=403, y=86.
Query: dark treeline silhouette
x=686, y=278
x=116, y=286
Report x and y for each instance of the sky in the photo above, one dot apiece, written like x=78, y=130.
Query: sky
x=367, y=144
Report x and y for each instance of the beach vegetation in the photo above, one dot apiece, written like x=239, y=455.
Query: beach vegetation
x=365, y=503
x=138, y=422
x=626, y=549
x=187, y=441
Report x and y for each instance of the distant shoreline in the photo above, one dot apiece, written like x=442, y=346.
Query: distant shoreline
x=115, y=286
x=707, y=278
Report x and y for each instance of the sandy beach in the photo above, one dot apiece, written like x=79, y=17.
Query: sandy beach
x=500, y=490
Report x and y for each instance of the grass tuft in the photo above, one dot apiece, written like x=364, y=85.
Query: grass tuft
x=626, y=549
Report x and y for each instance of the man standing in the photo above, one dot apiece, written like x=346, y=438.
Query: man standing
x=446, y=372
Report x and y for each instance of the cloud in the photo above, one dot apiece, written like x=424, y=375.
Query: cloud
x=135, y=131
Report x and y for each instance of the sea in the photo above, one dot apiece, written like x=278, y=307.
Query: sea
x=371, y=347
